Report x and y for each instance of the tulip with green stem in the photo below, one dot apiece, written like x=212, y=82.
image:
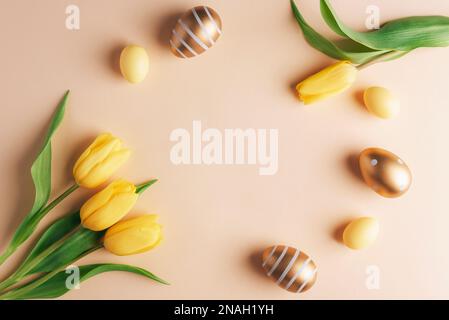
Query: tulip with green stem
x=94, y=167
x=65, y=242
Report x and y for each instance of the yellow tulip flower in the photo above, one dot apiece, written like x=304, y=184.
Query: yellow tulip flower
x=108, y=206
x=99, y=161
x=329, y=81
x=132, y=236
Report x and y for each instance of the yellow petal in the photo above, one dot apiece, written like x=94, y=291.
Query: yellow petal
x=96, y=201
x=329, y=81
x=100, y=140
x=134, y=241
x=111, y=212
x=151, y=246
x=109, y=205
x=95, y=156
x=135, y=222
x=103, y=170
x=133, y=236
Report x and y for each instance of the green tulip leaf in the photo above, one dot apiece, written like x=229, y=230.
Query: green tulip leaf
x=78, y=241
x=404, y=34
x=56, y=286
x=144, y=186
x=360, y=54
x=393, y=55
x=54, y=232
x=74, y=247
x=41, y=175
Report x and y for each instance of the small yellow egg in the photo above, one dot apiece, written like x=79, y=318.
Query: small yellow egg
x=361, y=233
x=134, y=63
x=380, y=102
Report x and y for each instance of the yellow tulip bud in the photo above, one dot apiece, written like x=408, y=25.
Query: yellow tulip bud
x=132, y=236
x=99, y=161
x=329, y=81
x=108, y=206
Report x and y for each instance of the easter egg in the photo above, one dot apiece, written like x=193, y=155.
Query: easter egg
x=361, y=233
x=384, y=172
x=290, y=268
x=134, y=63
x=381, y=102
x=196, y=31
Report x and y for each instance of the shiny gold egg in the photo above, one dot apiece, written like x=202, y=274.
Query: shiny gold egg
x=290, y=268
x=196, y=31
x=384, y=172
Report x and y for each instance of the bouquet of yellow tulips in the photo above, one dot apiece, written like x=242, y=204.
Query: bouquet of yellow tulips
x=98, y=223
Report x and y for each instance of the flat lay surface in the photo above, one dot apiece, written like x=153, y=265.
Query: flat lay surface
x=218, y=219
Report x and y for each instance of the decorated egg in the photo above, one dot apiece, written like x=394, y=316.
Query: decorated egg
x=290, y=268
x=196, y=31
x=384, y=172
x=381, y=102
x=134, y=63
x=361, y=233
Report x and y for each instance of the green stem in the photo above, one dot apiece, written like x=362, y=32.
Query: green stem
x=55, y=202
x=8, y=282
x=382, y=57
x=39, y=215
x=9, y=251
x=13, y=294
x=10, y=295
x=28, y=266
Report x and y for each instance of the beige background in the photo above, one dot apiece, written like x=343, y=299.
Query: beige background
x=218, y=218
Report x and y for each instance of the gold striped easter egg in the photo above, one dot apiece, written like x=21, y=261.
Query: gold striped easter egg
x=290, y=268
x=196, y=31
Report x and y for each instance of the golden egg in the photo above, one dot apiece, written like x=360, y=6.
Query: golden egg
x=290, y=268
x=361, y=233
x=384, y=172
x=196, y=31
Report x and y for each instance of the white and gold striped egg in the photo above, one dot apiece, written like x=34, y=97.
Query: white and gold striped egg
x=196, y=31
x=290, y=268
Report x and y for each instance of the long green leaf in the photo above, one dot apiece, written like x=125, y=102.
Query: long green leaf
x=404, y=34
x=330, y=18
x=56, y=286
x=41, y=174
x=330, y=48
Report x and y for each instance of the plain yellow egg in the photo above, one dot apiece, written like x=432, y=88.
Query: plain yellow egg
x=361, y=233
x=134, y=63
x=381, y=102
